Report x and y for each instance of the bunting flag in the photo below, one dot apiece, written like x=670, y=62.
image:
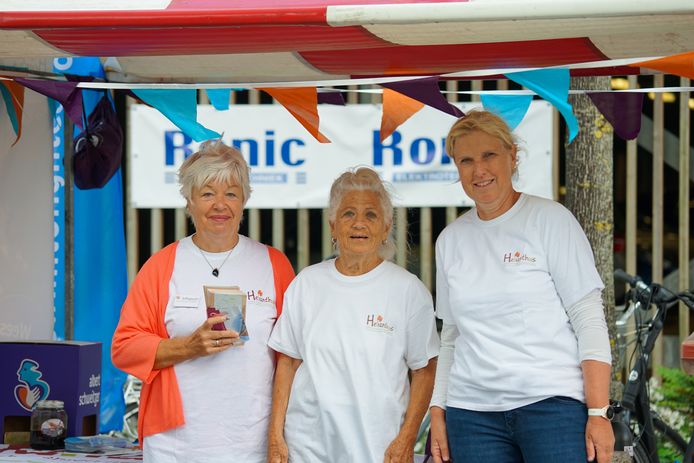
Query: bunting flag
x=511, y=108
x=13, y=94
x=425, y=91
x=65, y=93
x=181, y=108
x=622, y=110
x=680, y=65
x=397, y=108
x=302, y=103
x=132, y=95
x=334, y=98
x=553, y=86
x=219, y=97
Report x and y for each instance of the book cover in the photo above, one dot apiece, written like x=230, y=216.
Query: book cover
x=229, y=301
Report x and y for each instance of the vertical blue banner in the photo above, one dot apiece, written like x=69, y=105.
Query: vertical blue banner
x=100, y=271
x=58, y=220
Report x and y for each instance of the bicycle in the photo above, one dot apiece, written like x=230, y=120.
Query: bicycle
x=635, y=424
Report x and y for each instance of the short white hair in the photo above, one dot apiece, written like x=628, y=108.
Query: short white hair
x=365, y=179
x=214, y=162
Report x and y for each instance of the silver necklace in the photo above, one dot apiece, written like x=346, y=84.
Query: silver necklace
x=215, y=270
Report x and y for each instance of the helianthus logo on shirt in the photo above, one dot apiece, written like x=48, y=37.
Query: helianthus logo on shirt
x=258, y=296
x=376, y=322
x=518, y=258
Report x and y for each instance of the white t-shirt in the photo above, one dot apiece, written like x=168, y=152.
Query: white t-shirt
x=227, y=397
x=357, y=337
x=505, y=284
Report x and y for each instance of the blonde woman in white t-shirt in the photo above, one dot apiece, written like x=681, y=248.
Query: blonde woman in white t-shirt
x=352, y=330
x=524, y=369
x=205, y=399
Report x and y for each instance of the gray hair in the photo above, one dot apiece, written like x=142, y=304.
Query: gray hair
x=365, y=179
x=214, y=162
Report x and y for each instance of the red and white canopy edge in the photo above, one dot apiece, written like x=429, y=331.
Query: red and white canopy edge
x=339, y=42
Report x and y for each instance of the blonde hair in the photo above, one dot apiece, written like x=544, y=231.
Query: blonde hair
x=482, y=121
x=364, y=179
x=214, y=162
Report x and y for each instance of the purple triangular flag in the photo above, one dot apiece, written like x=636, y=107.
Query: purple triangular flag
x=335, y=98
x=622, y=110
x=66, y=93
x=425, y=91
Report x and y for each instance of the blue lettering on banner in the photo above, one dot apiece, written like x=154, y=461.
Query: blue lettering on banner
x=379, y=147
x=268, y=178
x=178, y=146
x=422, y=150
x=286, y=152
x=269, y=148
x=429, y=150
x=432, y=176
x=252, y=147
x=170, y=177
x=58, y=220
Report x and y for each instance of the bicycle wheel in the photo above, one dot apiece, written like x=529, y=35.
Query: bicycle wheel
x=640, y=454
x=670, y=434
x=664, y=433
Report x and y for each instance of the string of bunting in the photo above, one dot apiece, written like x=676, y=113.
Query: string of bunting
x=402, y=98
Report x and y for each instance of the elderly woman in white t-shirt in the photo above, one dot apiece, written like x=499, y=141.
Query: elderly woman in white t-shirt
x=352, y=330
x=524, y=369
x=204, y=398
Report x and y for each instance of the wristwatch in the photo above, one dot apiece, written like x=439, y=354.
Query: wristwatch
x=606, y=412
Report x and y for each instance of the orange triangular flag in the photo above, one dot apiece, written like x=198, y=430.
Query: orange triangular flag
x=302, y=102
x=680, y=65
x=13, y=94
x=397, y=108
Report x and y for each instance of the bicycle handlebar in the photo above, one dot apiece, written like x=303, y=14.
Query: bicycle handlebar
x=653, y=293
x=624, y=277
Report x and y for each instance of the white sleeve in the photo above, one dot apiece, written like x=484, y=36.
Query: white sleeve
x=443, y=310
x=569, y=256
x=284, y=337
x=422, y=338
x=449, y=333
x=588, y=322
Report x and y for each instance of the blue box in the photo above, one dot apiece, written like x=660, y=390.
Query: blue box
x=50, y=370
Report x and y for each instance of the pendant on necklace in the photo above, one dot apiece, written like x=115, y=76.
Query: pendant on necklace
x=215, y=272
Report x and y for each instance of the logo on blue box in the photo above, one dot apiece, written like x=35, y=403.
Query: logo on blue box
x=32, y=388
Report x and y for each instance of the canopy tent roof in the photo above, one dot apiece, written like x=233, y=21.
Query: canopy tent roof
x=236, y=41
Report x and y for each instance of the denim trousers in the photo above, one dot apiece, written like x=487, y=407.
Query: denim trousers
x=551, y=430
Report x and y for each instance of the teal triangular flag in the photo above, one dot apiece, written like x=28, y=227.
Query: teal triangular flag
x=219, y=97
x=11, y=113
x=181, y=108
x=511, y=108
x=553, y=86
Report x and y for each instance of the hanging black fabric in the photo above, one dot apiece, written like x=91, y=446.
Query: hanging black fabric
x=99, y=148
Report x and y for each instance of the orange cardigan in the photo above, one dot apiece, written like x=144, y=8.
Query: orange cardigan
x=141, y=328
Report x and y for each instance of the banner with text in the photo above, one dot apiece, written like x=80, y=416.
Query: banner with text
x=290, y=169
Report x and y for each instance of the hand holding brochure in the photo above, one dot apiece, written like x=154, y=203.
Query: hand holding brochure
x=229, y=301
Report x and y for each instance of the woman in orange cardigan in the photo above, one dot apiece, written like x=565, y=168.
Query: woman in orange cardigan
x=205, y=397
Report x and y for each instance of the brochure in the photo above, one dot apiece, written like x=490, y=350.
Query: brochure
x=229, y=301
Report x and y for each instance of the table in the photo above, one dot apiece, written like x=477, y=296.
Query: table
x=16, y=454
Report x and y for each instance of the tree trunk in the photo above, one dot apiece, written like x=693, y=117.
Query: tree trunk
x=589, y=194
